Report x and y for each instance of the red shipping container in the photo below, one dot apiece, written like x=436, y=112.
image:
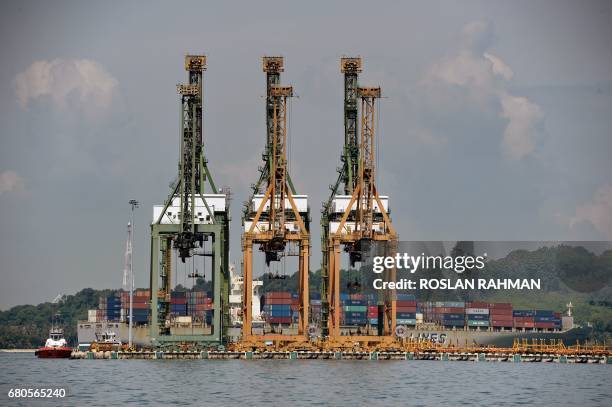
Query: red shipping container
x=544, y=324
x=523, y=319
x=501, y=305
x=139, y=305
x=279, y=301
x=405, y=309
x=502, y=322
x=372, y=308
x=357, y=296
x=477, y=304
x=404, y=303
x=278, y=294
x=500, y=314
x=372, y=314
x=178, y=301
x=557, y=314
x=279, y=320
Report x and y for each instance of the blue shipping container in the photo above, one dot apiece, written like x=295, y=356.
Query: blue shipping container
x=405, y=315
x=447, y=317
x=477, y=317
x=355, y=302
x=523, y=313
x=406, y=297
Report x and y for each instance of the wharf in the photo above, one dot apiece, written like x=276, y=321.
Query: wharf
x=487, y=355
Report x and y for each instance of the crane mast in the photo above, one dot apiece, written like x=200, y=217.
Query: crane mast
x=347, y=174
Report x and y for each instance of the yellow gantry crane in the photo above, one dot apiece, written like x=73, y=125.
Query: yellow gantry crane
x=275, y=217
x=353, y=222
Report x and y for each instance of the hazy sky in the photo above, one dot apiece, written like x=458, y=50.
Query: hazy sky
x=495, y=126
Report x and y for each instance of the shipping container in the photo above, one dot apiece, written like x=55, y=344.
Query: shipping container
x=355, y=308
x=405, y=297
x=405, y=315
x=279, y=320
x=477, y=304
x=406, y=303
x=405, y=321
x=355, y=302
x=477, y=311
x=477, y=317
x=448, y=310
x=457, y=316
x=278, y=294
x=523, y=313
x=478, y=323
x=544, y=313
x=500, y=305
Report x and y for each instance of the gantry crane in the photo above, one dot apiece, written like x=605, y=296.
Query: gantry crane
x=360, y=216
x=191, y=222
x=276, y=216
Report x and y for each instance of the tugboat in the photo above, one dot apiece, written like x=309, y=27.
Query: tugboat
x=56, y=346
x=106, y=341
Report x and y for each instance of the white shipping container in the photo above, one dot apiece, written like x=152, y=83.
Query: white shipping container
x=477, y=311
x=183, y=320
x=92, y=315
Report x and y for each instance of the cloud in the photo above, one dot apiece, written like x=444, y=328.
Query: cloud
x=10, y=181
x=68, y=84
x=521, y=132
x=484, y=79
x=598, y=212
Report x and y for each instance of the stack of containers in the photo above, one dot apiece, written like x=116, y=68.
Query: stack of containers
x=278, y=307
x=545, y=319
x=315, y=307
x=140, y=306
x=523, y=319
x=558, y=318
x=294, y=307
x=373, y=313
x=199, y=306
x=405, y=309
x=355, y=310
x=450, y=314
x=477, y=315
x=501, y=315
x=101, y=309
x=113, y=308
x=178, y=303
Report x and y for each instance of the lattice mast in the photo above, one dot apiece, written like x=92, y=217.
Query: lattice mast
x=347, y=173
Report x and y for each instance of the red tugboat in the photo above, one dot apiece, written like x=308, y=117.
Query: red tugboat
x=56, y=346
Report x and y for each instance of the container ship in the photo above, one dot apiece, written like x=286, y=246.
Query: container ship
x=443, y=322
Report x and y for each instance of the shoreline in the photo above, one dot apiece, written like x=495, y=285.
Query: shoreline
x=17, y=350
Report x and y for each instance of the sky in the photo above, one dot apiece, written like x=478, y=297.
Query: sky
x=495, y=122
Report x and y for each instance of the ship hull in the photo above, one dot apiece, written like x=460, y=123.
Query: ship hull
x=53, y=353
x=502, y=339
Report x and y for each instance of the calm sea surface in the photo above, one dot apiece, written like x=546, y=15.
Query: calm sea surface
x=279, y=383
